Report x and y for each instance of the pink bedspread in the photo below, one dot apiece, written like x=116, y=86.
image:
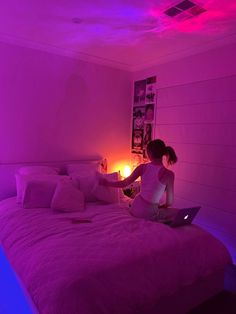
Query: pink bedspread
x=115, y=264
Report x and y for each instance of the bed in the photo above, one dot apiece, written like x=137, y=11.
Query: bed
x=112, y=263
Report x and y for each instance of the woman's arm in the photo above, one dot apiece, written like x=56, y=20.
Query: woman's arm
x=127, y=181
x=169, y=190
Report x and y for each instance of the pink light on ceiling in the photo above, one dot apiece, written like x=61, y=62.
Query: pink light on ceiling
x=192, y=16
x=210, y=21
x=116, y=30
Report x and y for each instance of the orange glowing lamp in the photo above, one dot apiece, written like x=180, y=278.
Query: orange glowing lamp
x=126, y=171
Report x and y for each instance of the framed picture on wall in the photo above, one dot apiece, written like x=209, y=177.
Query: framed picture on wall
x=138, y=117
x=145, y=95
x=137, y=140
x=147, y=137
x=149, y=112
x=151, y=80
x=139, y=93
x=150, y=93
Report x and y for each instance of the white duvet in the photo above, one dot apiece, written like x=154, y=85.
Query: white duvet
x=115, y=264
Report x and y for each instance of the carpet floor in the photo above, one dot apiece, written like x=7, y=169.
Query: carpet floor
x=222, y=303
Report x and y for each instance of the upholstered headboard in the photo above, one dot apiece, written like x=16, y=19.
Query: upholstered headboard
x=8, y=170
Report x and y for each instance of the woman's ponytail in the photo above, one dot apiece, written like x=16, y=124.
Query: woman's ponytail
x=156, y=149
x=171, y=155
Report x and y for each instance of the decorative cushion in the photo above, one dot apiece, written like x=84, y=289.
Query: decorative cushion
x=86, y=184
x=22, y=180
x=38, y=193
x=67, y=198
x=93, y=191
x=105, y=193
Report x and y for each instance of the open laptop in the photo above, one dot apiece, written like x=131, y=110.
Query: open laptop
x=183, y=216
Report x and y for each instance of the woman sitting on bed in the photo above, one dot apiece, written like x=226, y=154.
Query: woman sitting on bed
x=155, y=180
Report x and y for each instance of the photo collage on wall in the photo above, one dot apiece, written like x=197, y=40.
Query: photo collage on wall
x=145, y=96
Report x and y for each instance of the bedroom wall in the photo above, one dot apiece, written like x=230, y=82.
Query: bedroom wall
x=58, y=108
x=196, y=114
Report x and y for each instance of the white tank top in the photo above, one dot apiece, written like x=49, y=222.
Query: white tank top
x=151, y=187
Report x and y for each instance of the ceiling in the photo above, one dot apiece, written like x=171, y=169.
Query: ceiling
x=128, y=34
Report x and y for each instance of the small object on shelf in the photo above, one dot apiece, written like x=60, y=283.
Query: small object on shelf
x=132, y=190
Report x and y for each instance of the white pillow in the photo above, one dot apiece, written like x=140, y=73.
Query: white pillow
x=82, y=169
x=67, y=198
x=38, y=193
x=93, y=191
x=22, y=180
x=105, y=193
x=27, y=170
x=86, y=184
